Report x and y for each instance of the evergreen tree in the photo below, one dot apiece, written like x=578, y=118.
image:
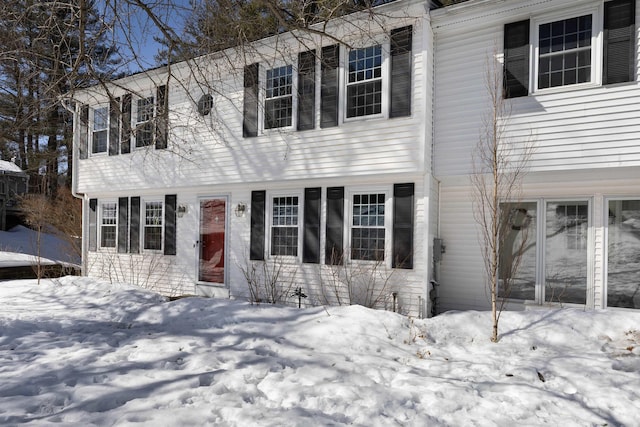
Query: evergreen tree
x=49, y=48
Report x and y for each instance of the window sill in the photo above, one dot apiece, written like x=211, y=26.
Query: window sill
x=369, y=117
x=567, y=88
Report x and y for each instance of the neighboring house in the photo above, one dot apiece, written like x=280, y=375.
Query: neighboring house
x=297, y=153
x=13, y=183
x=571, y=72
x=313, y=153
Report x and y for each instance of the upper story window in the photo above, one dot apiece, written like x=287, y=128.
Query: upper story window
x=152, y=234
x=100, y=131
x=370, y=81
x=144, y=121
x=564, y=56
x=108, y=225
x=278, y=111
x=587, y=48
x=364, y=82
x=125, y=121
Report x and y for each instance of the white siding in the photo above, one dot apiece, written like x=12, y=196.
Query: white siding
x=210, y=150
x=584, y=128
x=461, y=269
x=177, y=275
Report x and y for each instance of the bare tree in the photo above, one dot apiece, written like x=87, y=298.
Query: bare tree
x=35, y=208
x=499, y=166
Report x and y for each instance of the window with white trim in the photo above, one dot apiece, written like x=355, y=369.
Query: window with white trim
x=108, y=224
x=544, y=251
x=364, y=81
x=145, y=108
x=565, y=52
x=278, y=109
x=100, y=130
x=153, y=225
x=368, y=232
x=592, y=46
x=327, y=86
x=285, y=225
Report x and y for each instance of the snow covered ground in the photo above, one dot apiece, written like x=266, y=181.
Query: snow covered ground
x=18, y=248
x=78, y=352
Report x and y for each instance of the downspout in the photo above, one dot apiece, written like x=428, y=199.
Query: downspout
x=433, y=283
x=429, y=42
x=74, y=181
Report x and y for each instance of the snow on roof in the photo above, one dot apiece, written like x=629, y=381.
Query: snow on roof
x=9, y=167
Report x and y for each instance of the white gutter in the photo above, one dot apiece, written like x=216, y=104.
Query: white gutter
x=74, y=182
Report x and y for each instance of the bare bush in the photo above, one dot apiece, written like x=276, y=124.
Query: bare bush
x=366, y=283
x=269, y=281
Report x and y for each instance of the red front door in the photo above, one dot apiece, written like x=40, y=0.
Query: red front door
x=212, y=240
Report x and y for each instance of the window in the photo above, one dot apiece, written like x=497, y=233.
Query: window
x=100, y=135
x=566, y=252
x=564, y=52
x=371, y=81
x=152, y=234
x=368, y=227
x=144, y=121
x=543, y=251
x=108, y=225
x=569, y=51
x=364, y=81
x=517, y=257
x=278, y=111
x=623, y=254
x=284, y=226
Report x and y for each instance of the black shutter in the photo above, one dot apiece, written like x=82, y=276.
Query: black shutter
x=515, y=78
x=307, y=90
x=83, y=130
x=257, y=224
x=134, y=229
x=619, y=41
x=114, y=126
x=162, y=117
x=93, y=224
x=329, y=86
x=123, y=224
x=125, y=146
x=311, y=240
x=403, y=226
x=250, y=107
x=401, y=43
x=170, y=204
x=334, y=247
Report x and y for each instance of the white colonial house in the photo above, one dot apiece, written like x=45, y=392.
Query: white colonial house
x=571, y=87
x=339, y=165
x=302, y=156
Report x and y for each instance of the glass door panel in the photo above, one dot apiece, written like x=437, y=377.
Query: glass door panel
x=212, y=240
x=567, y=225
x=623, y=254
x=518, y=243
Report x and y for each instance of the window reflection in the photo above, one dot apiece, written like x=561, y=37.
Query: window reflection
x=623, y=268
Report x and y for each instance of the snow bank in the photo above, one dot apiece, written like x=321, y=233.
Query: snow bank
x=76, y=351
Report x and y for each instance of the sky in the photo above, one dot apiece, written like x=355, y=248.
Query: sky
x=134, y=31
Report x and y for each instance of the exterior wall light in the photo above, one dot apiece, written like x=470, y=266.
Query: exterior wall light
x=241, y=208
